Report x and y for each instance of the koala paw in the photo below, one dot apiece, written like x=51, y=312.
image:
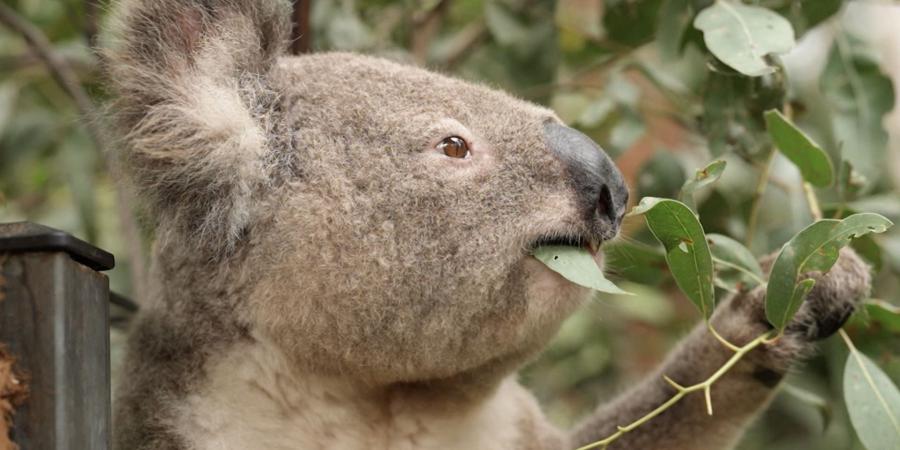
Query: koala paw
x=833, y=298
x=827, y=307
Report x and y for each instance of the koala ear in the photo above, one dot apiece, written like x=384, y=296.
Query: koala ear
x=193, y=103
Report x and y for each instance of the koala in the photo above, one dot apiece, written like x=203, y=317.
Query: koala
x=342, y=254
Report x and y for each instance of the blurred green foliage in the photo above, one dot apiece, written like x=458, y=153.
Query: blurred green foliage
x=633, y=74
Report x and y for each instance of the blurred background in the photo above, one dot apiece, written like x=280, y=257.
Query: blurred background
x=633, y=74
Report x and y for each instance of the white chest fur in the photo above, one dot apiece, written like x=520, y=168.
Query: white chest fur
x=252, y=401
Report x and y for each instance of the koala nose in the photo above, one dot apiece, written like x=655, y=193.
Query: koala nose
x=602, y=193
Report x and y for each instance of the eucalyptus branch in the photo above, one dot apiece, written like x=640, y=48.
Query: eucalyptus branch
x=425, y=27
x=63, y=74
x=720, y=338
x=813, y=201
x=757, y=198
x=464, y=42
x=682, y=391
x=743, y=270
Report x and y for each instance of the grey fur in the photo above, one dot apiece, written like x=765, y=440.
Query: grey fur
x=319, y=265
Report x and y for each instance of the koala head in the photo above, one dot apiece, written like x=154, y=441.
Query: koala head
x=377, y=218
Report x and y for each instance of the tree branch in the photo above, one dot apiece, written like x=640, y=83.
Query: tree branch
x=425, y=27
x=63, y=74
x=464, y=43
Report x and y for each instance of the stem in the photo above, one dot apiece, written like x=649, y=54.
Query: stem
x=464, y=42
x=757, y=198
x=721, y=339
x=425, y=27
x=681, y=392
x=813, y=201
x=893, y=309
x=739, y=269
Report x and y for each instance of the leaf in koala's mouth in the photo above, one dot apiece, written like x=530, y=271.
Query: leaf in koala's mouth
x=576, y=265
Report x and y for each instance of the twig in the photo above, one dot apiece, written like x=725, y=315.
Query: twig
x=425, y=27
x=465, y=40
x=743, y=270
x=301, y=36
x=813, y=201
x=63, y=74
x=681, y=392
x=27, y=60
x=757, y=198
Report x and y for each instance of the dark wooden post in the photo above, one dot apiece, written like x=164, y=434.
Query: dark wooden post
x=54, y=320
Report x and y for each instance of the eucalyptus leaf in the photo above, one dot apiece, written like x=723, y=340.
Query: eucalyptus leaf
x=576, y=265
x=733, y=108
x=661, y=176
x=820, y=403
x=702, y=178
x=630, y=23
x=850, y=181
x=813, y=162
x=687, y=252
x=505, y=27
x=674, y=21
x=884, y=313
x=635, y=261
x=815, y=248
x=806, y=14
x=729, y=256
x=741, y=36
x=873, y=403
x=859, y=95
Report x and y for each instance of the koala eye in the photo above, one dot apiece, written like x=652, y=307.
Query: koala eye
x=454, y=147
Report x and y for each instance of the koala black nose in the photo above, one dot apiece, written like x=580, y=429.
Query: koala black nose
x=601, y=191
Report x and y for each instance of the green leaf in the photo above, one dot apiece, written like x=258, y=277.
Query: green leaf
x=813, y=162
x=702, y=178
x=661, y=176
x=503, y=25
x=733, y=107
x=731, y=256
x=674, y=21
x=806, y=14
x=635, y=261
x=815, y=248
x=687, y=253
x=859, y=95
x=629, y=22
x=576, y=265
x=873, y=402
x=884, y=313
x=648, y=304
x=850, y=181
x=741, y=36
x=820, y=403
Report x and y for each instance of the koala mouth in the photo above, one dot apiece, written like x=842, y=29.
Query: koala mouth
x=591, y=245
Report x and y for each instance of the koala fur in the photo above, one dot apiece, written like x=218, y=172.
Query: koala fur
x=324, y=278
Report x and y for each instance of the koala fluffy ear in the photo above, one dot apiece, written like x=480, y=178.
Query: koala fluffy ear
x=194, y=107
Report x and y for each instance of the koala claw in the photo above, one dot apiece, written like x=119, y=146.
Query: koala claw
x=827, y=307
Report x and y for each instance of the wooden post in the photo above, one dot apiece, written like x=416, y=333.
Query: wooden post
x=54, y=322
